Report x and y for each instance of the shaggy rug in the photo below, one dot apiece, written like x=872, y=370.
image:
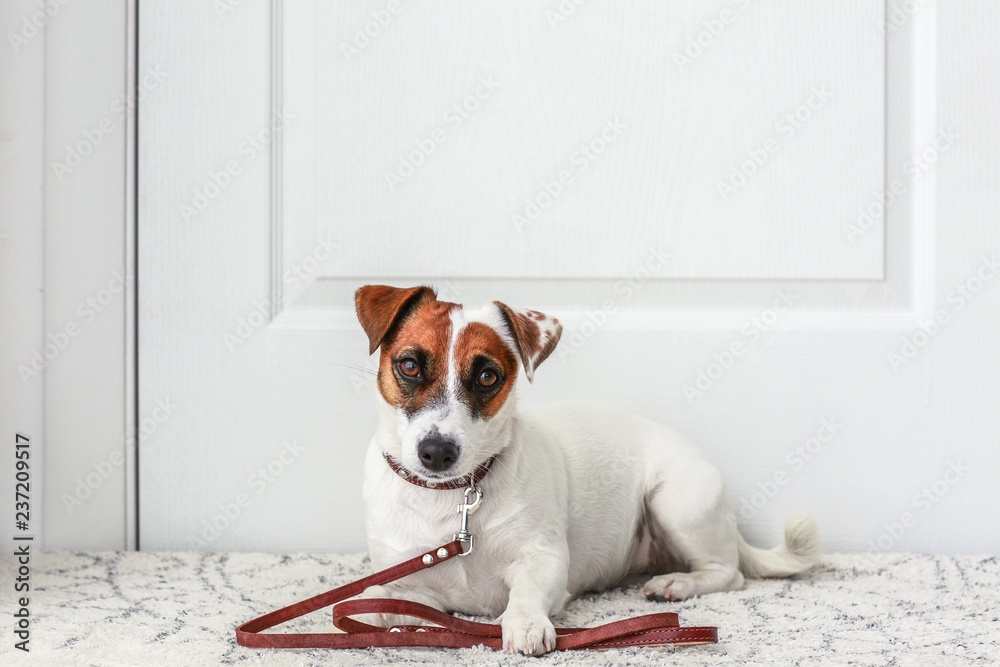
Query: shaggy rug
x=181, y=608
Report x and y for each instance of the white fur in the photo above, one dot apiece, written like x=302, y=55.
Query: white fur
x=561, y=514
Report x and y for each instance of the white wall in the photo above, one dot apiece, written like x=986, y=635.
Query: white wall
x=966, y=419
x=64, y=142
x=85, y=255
x=21, y=277
x=85, y=389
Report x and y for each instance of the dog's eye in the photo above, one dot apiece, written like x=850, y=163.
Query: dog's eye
x=409, y=368
x=488, y=378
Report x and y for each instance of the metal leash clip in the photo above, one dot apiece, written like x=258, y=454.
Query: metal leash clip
x=465, y=509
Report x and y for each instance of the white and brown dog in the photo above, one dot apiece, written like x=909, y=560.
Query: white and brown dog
x=578, y=497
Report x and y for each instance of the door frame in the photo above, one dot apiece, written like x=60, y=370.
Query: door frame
x=76, y=199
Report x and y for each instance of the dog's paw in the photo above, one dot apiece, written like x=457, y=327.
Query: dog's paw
x=530, y=634
x=670, y=587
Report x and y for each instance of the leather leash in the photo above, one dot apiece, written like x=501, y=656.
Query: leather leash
x=449, y=632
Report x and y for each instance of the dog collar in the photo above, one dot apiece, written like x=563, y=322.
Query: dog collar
x=457, y=483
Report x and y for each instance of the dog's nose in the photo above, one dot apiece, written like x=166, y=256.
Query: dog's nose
x=437, y=453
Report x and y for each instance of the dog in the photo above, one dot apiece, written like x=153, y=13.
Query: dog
x=576, y=498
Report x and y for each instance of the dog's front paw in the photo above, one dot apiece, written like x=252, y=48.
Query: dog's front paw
x=531, y=634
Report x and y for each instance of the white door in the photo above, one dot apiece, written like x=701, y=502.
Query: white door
x=707, y=195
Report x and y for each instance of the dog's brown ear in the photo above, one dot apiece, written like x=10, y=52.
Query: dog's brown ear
x=381, y=306
x=535, y=333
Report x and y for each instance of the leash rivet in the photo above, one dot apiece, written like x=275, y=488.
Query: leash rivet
x=442, y=553
x=395, y=630
x=428, y=559
x=421, y=629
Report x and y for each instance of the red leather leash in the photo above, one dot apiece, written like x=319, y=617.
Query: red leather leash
x=450, y=632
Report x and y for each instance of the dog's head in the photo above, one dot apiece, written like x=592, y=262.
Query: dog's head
x=446, y=374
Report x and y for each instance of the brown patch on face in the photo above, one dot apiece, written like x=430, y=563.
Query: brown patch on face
x=422, y=335
x=480, y=352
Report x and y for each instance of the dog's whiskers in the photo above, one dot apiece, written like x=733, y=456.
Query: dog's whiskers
x=358, y=368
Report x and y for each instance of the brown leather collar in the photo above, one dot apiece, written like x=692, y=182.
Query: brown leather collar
x=457, y=483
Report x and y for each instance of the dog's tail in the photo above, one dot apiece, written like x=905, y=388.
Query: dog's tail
x=797, y=553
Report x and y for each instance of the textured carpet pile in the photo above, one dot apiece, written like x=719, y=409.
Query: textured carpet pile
x=181, y=608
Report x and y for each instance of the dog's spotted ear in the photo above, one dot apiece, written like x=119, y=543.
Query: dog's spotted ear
x=535, y=334
x=381, y=306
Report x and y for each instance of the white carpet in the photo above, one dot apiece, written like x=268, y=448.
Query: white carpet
x=180, y=609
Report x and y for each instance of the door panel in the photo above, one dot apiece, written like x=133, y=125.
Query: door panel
x=757, y=320
x=742, y=136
